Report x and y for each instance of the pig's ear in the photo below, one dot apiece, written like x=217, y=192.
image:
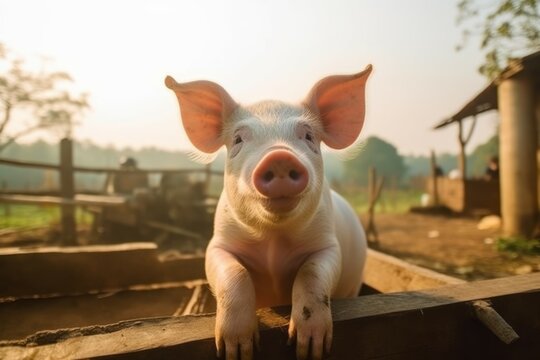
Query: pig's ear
x=204, y=106
x=339, y=101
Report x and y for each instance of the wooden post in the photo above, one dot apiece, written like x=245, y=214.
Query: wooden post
x=462, y=159
x=518, y=146
x=7, y=208
x=463, y=141
x=393, y=192
x=67, y=191
x=434, y=199
x=374, y=191
x=537, y=112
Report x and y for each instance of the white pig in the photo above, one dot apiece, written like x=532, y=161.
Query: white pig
x=281, y=236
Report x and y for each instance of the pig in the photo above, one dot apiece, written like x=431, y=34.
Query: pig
x=281, y=235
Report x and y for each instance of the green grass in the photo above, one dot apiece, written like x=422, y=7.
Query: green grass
x=31, y=216
x=392, y=201
x=518, y=245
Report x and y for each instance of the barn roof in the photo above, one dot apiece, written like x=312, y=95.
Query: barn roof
x=487, y=98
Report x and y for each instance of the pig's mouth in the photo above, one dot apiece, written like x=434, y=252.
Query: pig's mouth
x=280, y=204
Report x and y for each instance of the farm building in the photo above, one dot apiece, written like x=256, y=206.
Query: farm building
x=515, y=94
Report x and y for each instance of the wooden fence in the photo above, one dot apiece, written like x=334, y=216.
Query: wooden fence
x=56, y=310
x=67, y=197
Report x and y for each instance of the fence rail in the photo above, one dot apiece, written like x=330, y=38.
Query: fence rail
x=68, y=198
x=29, y=164
x=39, y=165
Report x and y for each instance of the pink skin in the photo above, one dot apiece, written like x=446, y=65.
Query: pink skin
x=281, y=236
x=280, y=177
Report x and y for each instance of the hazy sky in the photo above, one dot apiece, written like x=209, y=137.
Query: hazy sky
x=120, y=51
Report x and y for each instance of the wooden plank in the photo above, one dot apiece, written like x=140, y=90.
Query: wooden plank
x=81, y=199
x=147, y=171
x=40, y=271
x=38, y=165
x=173, y=229
x=31, y=164
x=386, y=274
x=428, y=324
x=75, y=270
x=23, y=317
x=101, y=200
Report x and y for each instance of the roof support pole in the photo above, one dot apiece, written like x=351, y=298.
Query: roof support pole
x=538, y=148
x=518, y=145
x=463, y=141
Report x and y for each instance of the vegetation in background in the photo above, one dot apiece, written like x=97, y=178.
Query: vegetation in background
x=31, y=216
x=36, y=100
x=379, y=154
x=518, y=245
x=421, y=165
x=507, y=29
x=392, y=200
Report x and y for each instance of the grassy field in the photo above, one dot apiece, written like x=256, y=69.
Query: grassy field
x=32, y=216
x=393, y=201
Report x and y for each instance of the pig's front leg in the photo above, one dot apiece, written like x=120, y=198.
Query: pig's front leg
x=236, y=321
x=311, y=318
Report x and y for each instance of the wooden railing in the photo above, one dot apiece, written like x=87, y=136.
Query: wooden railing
x=68, y=199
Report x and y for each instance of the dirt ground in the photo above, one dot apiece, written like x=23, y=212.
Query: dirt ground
x=449, y=244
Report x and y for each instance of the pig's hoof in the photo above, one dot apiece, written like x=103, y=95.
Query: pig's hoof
x=236, y=338
x=239, y=348
x=311, y=326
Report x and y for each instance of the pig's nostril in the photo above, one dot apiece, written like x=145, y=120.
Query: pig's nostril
x=280, y=174
x=268, y=176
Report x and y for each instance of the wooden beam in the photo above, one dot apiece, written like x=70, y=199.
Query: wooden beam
x=89, y=268
x=31, y=164
x=81, y=269
x=147, y=171
x=39, y=165
x=23, y=317
x=173, y=229
x=434, y=324
x=387, y=274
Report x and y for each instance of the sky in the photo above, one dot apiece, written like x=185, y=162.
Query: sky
x=120, y=51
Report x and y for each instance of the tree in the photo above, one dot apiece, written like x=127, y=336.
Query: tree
x=36, y=98
x=508, y=29
x=379, y=154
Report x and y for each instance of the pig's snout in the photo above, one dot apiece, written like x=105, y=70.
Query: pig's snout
x=280, y=175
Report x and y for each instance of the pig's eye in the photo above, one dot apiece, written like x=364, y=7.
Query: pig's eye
x=305, y=132
x=236, y=145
